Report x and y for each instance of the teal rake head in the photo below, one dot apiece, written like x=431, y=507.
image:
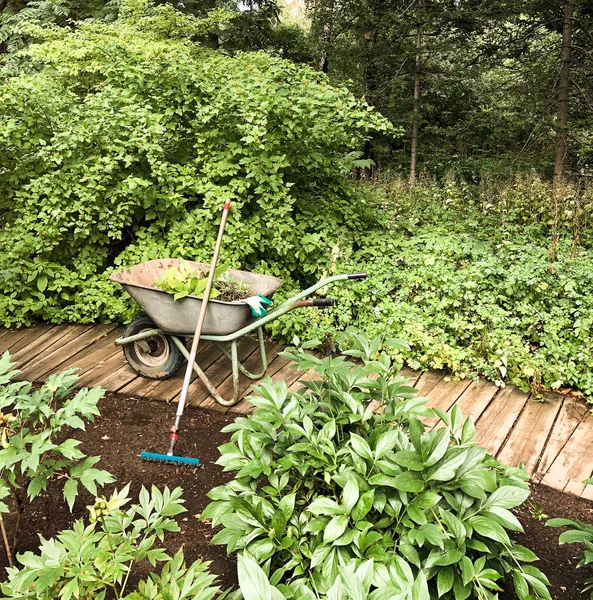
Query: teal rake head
x=174, y=460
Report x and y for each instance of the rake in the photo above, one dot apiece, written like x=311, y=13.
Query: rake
x=170, y=457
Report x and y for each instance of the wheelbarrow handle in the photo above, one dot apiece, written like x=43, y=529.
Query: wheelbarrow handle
x=321, y=302
x=318, y=302
x=357, y=275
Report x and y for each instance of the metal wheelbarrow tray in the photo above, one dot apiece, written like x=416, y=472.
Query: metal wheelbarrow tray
x=154, y=343
x=179, y=317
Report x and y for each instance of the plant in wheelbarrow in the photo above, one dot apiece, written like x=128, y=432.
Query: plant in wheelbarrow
x=345, y=469
x=33, y=449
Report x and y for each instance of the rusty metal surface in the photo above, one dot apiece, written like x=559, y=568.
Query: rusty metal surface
x=180, y=317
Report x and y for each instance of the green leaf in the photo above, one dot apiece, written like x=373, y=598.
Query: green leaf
x=420, y=588
x=70, y=492
x=335, y=528
x=350, y=494
x=361, y=447
x=252, y=580
x=507, y=497
x=325, y=506
x=489, y=528
x=364, y=504
x=445, y=579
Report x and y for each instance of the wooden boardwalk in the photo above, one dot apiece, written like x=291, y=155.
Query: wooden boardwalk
x=553, y=439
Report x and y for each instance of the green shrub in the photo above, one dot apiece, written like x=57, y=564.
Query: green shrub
x=143, y=135
x=95, y=561
x=33, y=449
x=323, y=478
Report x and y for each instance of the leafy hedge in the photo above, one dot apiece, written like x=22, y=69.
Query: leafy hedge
x=120, y=143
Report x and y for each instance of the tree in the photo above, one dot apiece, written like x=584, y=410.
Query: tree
x=563, y=92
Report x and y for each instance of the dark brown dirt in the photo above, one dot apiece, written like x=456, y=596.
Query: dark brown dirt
x=129, y=425
x=557, y=562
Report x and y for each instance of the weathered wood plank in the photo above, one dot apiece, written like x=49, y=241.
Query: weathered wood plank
x=13, y=336
x=93, y=355
x=113, y=374
x=528, y=438
x=251, y=363
x=566, y=423
x=58, y=354
x=498, y=420
x=573, y=463
x=27, y=337
x=54, y=338
x=476, y=398
x=428, y=381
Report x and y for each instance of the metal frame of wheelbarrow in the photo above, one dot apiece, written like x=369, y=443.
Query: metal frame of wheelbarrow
x=296, y=301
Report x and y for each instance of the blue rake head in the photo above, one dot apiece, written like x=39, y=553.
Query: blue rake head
x=177, y=460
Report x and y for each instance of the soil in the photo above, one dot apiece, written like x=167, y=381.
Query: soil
x=128, y=426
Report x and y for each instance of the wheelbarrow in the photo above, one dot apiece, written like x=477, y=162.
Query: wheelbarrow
x=155, y=342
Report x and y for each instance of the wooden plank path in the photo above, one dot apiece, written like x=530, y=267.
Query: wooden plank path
x=552, y=438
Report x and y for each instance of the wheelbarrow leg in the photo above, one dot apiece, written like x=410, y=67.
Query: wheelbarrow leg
x=203, y=377
x=262, y=353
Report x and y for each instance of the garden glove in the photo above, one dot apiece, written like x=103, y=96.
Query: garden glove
x=257, y=304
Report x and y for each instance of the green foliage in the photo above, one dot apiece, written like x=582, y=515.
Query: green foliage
x=94, y=561
x=353, y=583
x=185, y=280
x=578, y=533
x=34, y=451
x=345, y=470
x=143, y=134
x=464, y=274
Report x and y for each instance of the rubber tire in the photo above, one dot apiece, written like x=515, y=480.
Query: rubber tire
x=173, y=360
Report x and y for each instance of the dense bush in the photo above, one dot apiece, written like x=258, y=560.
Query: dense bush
x=120, y=142
x=345, y=470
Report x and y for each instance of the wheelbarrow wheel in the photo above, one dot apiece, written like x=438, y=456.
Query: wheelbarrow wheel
x=155, y=357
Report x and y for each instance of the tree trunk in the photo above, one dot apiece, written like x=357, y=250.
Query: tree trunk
x=563, y=92
x=328, y=30
x=416, y=108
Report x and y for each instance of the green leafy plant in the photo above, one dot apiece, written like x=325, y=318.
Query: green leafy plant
x=345, y=469
x=354, y=582
x=95, y=561
x=578, y=533
x=34, y=452
x=185, y=280
x=144, y=135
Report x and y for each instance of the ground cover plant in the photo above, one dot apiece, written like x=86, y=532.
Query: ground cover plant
x=34, y=451
x=344, y=475
x=477, y=280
